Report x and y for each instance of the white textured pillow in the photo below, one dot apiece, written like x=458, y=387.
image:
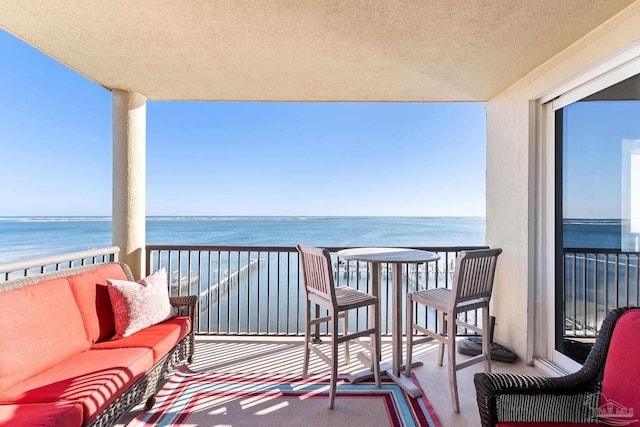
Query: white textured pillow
x=137, y=305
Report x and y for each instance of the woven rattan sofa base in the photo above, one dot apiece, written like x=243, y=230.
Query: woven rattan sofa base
x=147, y=386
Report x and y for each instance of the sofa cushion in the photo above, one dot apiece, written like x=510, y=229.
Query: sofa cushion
x=48, y=414
x=42, y=328
x=137, y=305
x=160, y=338
x=94, y=378
x=620, y=391
x=92, y=296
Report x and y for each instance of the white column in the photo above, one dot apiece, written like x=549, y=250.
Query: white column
x=129, y=169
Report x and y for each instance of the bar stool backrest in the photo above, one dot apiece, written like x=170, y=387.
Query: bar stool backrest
x=473, y=277
x=318, y=275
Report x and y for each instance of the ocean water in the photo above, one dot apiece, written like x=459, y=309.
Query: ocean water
x=28, y=237
x=223, y=288
x=603, y=234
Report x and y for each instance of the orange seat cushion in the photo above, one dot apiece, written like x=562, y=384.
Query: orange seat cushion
x=94, y=378
x=91, y=292
x=160, y=338
x=48, y=414
x=40, y=326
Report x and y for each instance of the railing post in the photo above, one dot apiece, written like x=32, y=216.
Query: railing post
x=316, y=333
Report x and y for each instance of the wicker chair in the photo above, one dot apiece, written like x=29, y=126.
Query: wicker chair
x=471, y=290
x=603, y=392
x=321, y=291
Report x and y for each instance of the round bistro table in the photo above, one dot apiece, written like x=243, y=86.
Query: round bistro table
x=396, y=257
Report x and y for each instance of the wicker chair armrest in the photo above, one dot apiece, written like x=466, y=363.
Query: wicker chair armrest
x=190, y=302
x=526, y=398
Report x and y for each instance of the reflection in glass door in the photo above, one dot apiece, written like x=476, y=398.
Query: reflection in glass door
x=597, y=212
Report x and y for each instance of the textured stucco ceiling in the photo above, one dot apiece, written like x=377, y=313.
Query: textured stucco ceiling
x=305, y=50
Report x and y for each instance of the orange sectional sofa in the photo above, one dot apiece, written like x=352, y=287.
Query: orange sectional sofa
x=58, y=364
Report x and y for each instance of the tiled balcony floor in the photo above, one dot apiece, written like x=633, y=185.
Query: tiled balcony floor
x=284, y=354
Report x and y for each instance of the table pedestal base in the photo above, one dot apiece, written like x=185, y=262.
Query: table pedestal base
x=406, y=383
x=386, y=368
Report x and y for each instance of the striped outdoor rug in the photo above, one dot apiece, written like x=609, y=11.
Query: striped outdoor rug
x=233, y=399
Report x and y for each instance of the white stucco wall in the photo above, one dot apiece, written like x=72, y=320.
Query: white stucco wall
x=510, y=169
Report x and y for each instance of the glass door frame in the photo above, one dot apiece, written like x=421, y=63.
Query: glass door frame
x=545, y=199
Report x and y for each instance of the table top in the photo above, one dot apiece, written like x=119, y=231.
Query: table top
x=392, y=255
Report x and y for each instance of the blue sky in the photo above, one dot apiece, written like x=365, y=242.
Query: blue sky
x=594, y=134
x=234, y=158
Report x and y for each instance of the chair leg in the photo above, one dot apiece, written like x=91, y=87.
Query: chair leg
x=375, y=360
x=486, y=345
x=347, y=356
x=334, y=359
x=442, y=331
x=451, y=353
x=407, y=364
x=307, y=341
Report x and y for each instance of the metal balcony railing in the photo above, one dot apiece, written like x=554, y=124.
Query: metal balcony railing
x=596, y=281
x=252, y=290
x=258, y=290
x=15, y=270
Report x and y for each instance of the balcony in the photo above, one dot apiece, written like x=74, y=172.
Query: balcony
x=251, y=314
x=542, y=56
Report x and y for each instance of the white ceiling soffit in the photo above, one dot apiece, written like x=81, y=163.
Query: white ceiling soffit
x=305, y=50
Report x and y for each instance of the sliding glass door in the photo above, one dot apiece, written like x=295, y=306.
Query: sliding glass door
x=597, y=212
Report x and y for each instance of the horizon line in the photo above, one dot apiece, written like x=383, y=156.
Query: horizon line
x=299, y=217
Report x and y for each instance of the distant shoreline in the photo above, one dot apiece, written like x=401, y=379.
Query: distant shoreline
x=227, y=218
x=97, y=218
x=592, y=221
